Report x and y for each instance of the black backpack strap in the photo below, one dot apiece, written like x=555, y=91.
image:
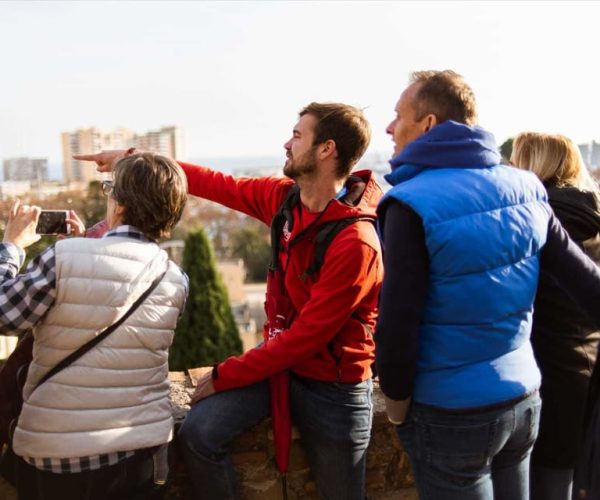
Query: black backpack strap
x=101, y=336
x=283, y=215
x=325, y=235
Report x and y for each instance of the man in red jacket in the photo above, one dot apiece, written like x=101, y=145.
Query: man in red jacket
x=326, y=339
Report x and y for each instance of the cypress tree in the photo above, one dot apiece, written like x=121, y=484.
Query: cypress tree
x=206, y=332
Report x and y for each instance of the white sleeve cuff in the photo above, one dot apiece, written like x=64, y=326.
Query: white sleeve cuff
x=13, y=254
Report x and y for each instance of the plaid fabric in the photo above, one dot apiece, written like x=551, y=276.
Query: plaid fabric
x=11, y=260
x=78, y=464
x=24, y=300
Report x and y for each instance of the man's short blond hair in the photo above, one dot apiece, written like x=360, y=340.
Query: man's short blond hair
x=444, y=94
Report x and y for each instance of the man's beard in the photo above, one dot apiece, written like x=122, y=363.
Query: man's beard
x=305, y=164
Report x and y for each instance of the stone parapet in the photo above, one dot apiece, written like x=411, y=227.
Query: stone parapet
x=388, y=473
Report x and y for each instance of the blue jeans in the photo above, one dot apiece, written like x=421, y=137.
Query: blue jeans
x=334, y=421
x=476, y=455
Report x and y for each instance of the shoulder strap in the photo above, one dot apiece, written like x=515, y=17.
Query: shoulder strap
x=283, y=215
x=101, y=336
x=325, y=235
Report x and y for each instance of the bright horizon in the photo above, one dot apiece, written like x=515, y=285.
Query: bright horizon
x=233, y=75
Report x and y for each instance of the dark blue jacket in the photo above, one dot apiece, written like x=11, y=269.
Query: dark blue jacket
x=484, y=226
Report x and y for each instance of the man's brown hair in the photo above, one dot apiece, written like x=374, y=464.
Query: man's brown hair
x=346, y=126
x=444, y=94
x=153, y=190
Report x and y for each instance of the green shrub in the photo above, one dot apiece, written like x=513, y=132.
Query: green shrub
x=206, y=332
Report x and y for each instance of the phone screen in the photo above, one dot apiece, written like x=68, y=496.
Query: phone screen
x=52, y=222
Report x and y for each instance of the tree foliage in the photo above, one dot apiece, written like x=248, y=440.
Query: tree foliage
x=218, y=221
x=91, y=208
x=206, y=332
x=251, y=244
x=506, y=149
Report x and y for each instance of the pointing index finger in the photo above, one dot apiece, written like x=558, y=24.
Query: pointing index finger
x=86, y=157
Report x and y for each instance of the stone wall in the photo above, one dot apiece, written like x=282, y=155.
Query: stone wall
x=388, y=471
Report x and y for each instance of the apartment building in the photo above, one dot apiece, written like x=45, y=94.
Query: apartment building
x=166, y=141
x=34, y=170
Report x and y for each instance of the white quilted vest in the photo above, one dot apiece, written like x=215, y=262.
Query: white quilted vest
x=115, y=397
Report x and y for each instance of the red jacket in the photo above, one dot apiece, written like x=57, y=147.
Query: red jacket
x=331, y=337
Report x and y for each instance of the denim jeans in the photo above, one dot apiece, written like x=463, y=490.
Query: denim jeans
x=551, y=484
x=334, y=421
x=475, y=455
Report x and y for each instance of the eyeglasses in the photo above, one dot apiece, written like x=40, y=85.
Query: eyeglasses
x=107, y=187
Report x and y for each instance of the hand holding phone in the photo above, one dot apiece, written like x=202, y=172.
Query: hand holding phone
x=21, y=224
x=53, y=222
x=76, y=225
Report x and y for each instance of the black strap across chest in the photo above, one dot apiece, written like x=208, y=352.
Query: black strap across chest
x=71, y=358
x=325, y=233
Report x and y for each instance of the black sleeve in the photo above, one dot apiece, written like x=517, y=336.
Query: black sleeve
x=402, y=300
x=574, y=271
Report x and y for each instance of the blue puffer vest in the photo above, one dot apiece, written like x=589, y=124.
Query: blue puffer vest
x=484, y=225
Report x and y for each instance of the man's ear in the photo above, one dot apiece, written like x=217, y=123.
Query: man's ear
x=430, y=121
x=327, y=149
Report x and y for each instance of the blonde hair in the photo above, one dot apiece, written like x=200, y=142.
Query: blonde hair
x=555, y=159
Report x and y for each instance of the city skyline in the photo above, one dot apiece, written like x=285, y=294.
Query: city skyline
x=234, y=75
x=166, y=141
x=25, y=168
x=268, y=164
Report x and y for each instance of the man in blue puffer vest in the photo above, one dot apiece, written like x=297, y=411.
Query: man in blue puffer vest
x=464, y=239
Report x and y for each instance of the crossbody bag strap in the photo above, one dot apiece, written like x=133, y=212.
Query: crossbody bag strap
x=101, y=336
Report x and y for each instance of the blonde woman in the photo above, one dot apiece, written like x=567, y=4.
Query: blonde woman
x=564, y=340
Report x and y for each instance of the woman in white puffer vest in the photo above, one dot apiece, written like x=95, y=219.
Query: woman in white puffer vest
x=94, y=429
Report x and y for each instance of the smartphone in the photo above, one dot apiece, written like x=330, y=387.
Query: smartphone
x=53, y=222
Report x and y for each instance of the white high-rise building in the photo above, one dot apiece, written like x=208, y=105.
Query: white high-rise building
x=590, y=152
x=80, y=141
x=166, y=141
x=34, y=170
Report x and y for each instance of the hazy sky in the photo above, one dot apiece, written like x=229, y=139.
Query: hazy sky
x=233, y=75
